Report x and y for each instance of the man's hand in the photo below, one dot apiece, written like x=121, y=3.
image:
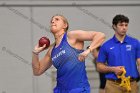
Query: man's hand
x=118, y=70
x=125, y=81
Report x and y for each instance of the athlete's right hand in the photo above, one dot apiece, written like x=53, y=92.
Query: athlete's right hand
x=38, y=49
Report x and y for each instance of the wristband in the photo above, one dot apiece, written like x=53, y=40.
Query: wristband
x=90, y=49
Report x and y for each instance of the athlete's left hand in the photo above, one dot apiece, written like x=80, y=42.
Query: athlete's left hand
x=82, y=56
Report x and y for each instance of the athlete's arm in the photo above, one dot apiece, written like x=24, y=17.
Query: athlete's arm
x=96, y=38
x=40, y=66
x=78, y=37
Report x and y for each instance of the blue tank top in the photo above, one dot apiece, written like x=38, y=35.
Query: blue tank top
x=71, y=73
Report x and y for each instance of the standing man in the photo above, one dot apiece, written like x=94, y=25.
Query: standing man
x=121, y=51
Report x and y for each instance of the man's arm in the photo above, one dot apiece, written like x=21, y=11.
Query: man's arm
x=138, y=62
x=138, y=56
x=101, y=67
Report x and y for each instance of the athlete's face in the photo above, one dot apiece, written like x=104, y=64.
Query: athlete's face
x=57, y=24
x=121, y=28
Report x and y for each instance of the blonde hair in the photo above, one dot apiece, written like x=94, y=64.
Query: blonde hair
x=64, y=19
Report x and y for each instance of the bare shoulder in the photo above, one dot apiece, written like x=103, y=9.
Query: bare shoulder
x=81, y=35
x=79, y=32
x=73, y=32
